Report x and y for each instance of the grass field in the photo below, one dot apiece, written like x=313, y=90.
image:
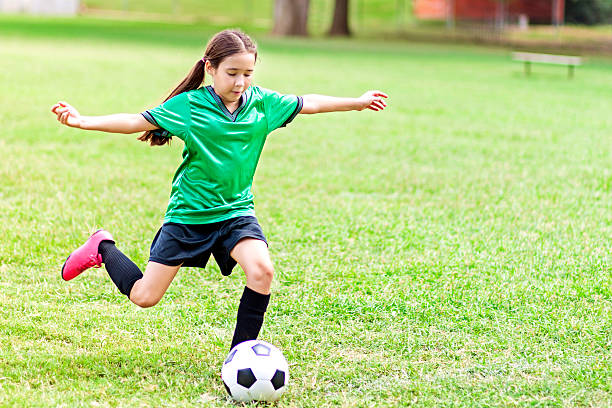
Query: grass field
x=367, y=18
x=365, y=15
x=453, y=250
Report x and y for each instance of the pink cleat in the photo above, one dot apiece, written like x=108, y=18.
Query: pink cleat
x=86, y=256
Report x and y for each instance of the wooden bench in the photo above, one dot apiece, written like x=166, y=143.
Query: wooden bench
x=529, y=57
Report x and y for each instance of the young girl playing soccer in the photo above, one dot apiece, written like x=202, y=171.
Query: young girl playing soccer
x=223, y=127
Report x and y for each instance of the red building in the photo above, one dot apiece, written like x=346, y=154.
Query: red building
x=538, y=11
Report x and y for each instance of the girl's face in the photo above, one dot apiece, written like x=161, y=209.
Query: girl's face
x=233, y=76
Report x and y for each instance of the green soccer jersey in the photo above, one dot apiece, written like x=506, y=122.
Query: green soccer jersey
x=213, y=183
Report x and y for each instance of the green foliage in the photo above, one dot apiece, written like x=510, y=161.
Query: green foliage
x=588, y=11
x=453, y=250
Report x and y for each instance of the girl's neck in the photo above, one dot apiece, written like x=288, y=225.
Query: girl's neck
x=231, y=106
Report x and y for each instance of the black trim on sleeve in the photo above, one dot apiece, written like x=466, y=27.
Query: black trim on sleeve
x=298, y=108
x=157, y=132
x=162, y=132
x=147, y=115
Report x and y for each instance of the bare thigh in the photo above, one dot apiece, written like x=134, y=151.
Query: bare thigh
x=147, y=291
x=253, y=256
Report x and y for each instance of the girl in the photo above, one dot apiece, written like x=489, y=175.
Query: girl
x=223, y=127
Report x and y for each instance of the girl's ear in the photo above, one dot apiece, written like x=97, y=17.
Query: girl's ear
x=209, y=68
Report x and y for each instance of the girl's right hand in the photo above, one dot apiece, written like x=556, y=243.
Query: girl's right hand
x=66, y=114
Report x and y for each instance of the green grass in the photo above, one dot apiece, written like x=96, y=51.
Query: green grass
x=364, y=15
x=260, y=8
x=368, y=19
x=453, y=250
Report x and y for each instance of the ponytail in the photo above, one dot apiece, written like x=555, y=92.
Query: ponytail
x=192, y=81
x=221, y=46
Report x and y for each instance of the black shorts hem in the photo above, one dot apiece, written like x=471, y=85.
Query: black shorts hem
x=191, y=245
x=164, y=262
x=253, y=236
x=227, y=263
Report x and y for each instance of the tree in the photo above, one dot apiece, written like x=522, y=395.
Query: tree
x=588, y=11
x=450, y=14
x=500, y=15
x=340, y=26
x=291, y=17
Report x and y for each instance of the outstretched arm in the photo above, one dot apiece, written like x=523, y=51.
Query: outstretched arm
x=320, y=103
x=119, y=123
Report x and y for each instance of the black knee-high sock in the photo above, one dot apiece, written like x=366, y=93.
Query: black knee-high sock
x=250, y=317
x=123, y=272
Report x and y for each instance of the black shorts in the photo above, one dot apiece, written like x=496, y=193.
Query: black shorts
x=192, y=244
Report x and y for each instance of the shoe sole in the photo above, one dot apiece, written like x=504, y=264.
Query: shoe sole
x=63, y=266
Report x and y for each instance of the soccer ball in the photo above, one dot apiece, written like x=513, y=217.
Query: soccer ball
x=255, y=370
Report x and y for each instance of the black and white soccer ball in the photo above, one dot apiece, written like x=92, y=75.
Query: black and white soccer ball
x=255, y=371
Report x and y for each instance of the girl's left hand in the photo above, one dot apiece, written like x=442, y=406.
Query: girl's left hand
x=66, y=114
x=372, y=100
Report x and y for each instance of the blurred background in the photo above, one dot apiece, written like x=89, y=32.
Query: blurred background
x=453, y=250
x=579, y=25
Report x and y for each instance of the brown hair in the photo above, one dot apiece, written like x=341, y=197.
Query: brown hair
x=221, y=46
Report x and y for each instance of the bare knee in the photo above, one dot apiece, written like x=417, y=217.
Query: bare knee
x=144, y=298
x=261, y=274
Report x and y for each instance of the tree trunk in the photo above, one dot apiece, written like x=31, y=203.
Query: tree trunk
x=450, y=14
x=340, y=25
x=500, y=16
x=291, y=17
